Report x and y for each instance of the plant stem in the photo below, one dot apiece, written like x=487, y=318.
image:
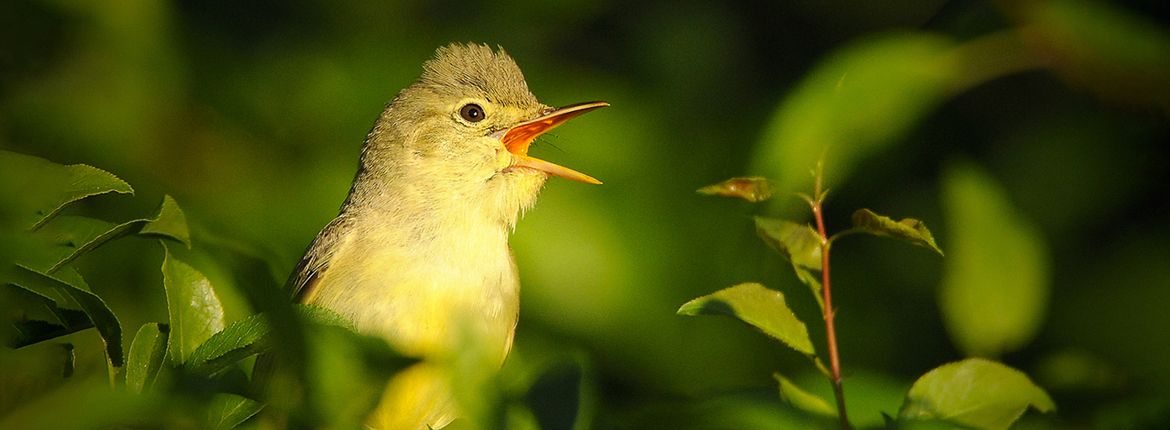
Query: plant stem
x=817, y=205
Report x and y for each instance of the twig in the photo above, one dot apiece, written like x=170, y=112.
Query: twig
x=817, y=205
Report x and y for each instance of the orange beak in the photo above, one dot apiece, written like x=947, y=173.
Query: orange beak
x=518, y=138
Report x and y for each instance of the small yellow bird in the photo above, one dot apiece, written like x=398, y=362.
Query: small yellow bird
x=419, y=252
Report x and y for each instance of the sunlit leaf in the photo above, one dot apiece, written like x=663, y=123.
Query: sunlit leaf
x=94, y=307
x=799, y=243
x=753, y=189
x=227, y=411
x=759, y=307
x=147, y=352
x=973, y=393
x=48, y=187
x=995, y=281
x=799, y=398
x=194, y=309
x=907, y=229
x=855, y=103
x=1119, y=55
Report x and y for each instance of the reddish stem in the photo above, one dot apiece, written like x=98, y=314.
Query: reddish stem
x=828, y=312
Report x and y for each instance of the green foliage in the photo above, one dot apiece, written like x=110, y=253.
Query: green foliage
x=78, y=297
x=799, y=398
x=228, y=411
x=46, y=188
x=853, y=106
x=168, y=223
x=759, y=307
x=146, y=356
x=248, y=337
x=194, y=309
x=973, y=393
x=997, y=261
x=906, y=229
x=800, y=244
x=193, y=338
x=222, y=350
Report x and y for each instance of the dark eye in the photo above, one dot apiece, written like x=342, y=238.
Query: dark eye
x=471, y=112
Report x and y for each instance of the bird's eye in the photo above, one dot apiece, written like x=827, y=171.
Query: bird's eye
x=471, y=112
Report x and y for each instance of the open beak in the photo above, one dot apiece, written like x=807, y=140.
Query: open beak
x=518, y=138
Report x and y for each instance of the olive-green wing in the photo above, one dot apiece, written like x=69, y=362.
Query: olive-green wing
x=303, y=282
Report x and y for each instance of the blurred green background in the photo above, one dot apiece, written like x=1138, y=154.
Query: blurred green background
x=252, y=114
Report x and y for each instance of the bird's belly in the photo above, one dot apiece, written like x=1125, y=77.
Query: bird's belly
x=429, y=308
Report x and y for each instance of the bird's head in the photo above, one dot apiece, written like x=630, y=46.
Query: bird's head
x=462, y=131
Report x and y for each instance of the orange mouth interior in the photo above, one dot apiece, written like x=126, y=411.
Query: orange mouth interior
x=518, y=138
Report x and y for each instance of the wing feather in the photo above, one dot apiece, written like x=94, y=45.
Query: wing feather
x=305, y=277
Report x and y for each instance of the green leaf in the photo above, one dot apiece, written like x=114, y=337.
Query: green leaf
x=799, y=243
x=238, y=341
x=29, y=332
x=759, y=307
x=94, y=307
x=753, y=189
x=97, y=241
x=228, y=411
x=907, y=229
x=147, y=352
x=857, y=102
x=250, y=336
x=799, y=398
x=46, y=187
x=974, y=393
x=194, y=309
x=169, y=222
x=322, y=316
x=995, y=282
x=68, y=321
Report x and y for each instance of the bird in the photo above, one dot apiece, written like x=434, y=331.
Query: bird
x=418, y=253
